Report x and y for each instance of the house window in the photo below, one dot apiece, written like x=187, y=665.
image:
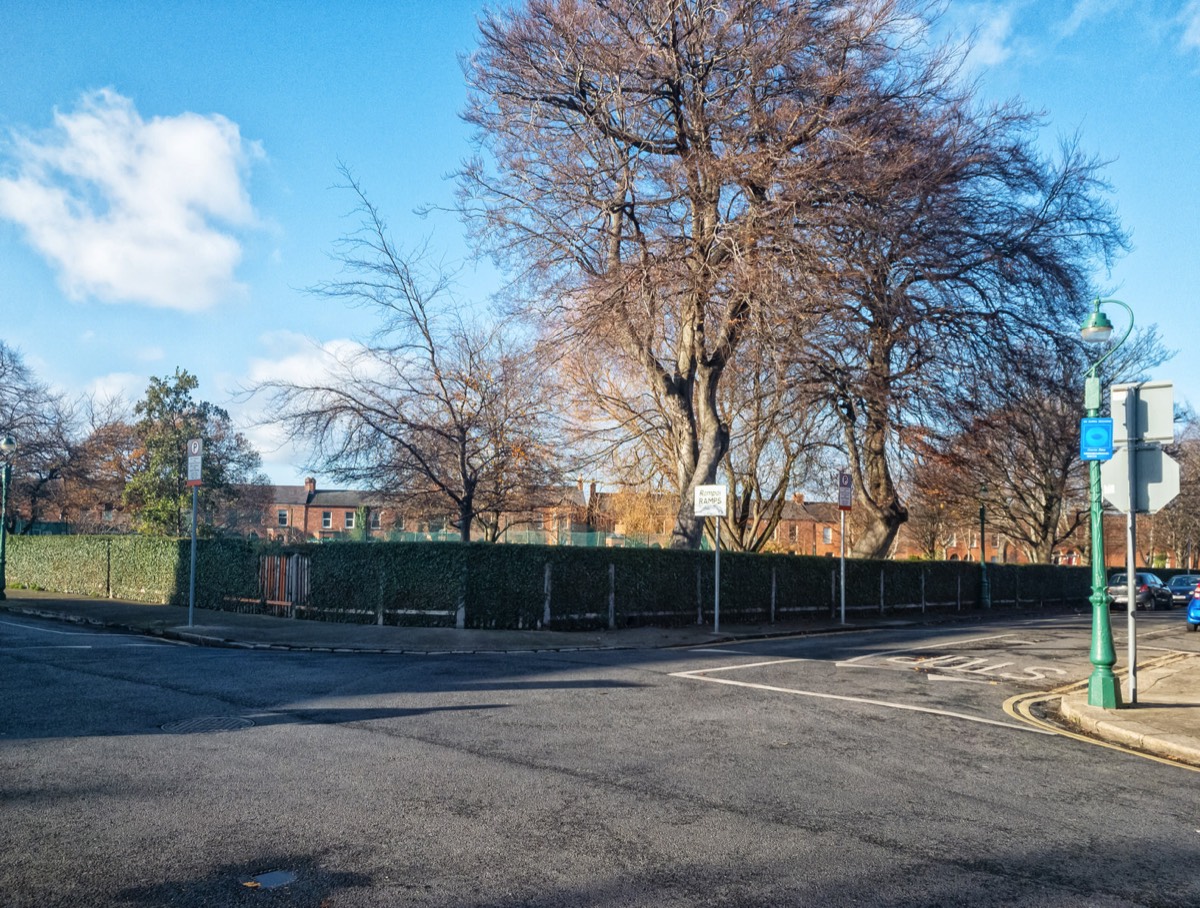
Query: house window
x=793, y=532
x=375, y=521
x=107, y=514
x=281, y=518
x=827, y=535
x=327, y=520
x=349, y=520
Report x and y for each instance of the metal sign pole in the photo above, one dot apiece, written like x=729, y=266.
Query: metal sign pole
x=842, y=560
x=195, y=477
x=1131, y=443
x=717, y=579
x=192, y=577
x=709, y=501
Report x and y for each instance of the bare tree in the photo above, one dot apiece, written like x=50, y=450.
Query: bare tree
x=778, y=436
x=951, y=246
x=1178, y=523
x=1015, y=448
x=102, y=462
x=43, y=423
x=452, y=413
x=652, y=173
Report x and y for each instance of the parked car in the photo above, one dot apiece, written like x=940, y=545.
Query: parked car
x=1193, y=610
x=1182, y=586
x=1150, y=591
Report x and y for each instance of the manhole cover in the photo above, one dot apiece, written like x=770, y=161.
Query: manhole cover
x=208, y=723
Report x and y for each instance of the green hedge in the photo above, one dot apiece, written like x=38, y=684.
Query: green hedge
x=148, y=569
x=505, y=586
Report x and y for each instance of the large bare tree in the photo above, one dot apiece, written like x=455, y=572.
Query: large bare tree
x=1015, y=443
x=650, y=173
x=952, y=244
x=445, y=408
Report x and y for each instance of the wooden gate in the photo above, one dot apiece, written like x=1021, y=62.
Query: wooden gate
x=283, y=581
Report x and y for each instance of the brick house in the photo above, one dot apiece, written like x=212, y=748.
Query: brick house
x=298, y=513
x=808, y=528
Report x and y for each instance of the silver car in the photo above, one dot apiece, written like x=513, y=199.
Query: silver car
x=1149, y=591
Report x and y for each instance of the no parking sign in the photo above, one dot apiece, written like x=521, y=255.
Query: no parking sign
x=195, y=454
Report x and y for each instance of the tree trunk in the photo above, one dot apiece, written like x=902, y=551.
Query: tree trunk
x=700, y=444
x=466, y=515
x=869, y=461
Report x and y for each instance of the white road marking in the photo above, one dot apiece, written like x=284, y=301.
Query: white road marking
x=727, y=652
x=45, y=630
x=699, y=675
x=731, y=668
x=941, y=644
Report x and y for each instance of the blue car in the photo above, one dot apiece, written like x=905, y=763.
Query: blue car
x=1193, y=611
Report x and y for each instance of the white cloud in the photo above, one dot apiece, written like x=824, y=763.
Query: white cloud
x=990, y=26
x=150, y=354
x=1086, y=11
x=119, y=386
x=291, y=358
x=1190, y=20
x=299, y=360
x=133, y=210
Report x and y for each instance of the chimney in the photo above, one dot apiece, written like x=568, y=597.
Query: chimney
x=310, y=485
x=798, y=497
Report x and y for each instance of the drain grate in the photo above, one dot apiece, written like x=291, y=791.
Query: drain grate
x=208, y=723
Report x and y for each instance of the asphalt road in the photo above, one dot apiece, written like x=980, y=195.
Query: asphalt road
x=873, y=768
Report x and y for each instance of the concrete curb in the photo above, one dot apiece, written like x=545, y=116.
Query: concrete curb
x=1143, y=727
x=1130, y=733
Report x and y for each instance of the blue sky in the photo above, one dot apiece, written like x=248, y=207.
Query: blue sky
x=167, y=169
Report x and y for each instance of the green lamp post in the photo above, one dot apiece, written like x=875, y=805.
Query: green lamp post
x=985, y=587
x=7, y=445
x=1103, y=689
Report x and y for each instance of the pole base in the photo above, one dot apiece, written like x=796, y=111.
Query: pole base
x=1104, y=690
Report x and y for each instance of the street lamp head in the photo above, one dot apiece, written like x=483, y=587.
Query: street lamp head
x=1097, y=329
x=7, y=445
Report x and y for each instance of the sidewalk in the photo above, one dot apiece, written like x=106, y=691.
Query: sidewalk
x=1165, y=722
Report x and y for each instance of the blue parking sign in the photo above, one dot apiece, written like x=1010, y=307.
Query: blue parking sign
x=1095, y=438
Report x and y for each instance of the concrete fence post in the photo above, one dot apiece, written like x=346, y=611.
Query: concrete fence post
x=460, y=615
x=612, y=596
x=772, y=594
x=546, y=602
